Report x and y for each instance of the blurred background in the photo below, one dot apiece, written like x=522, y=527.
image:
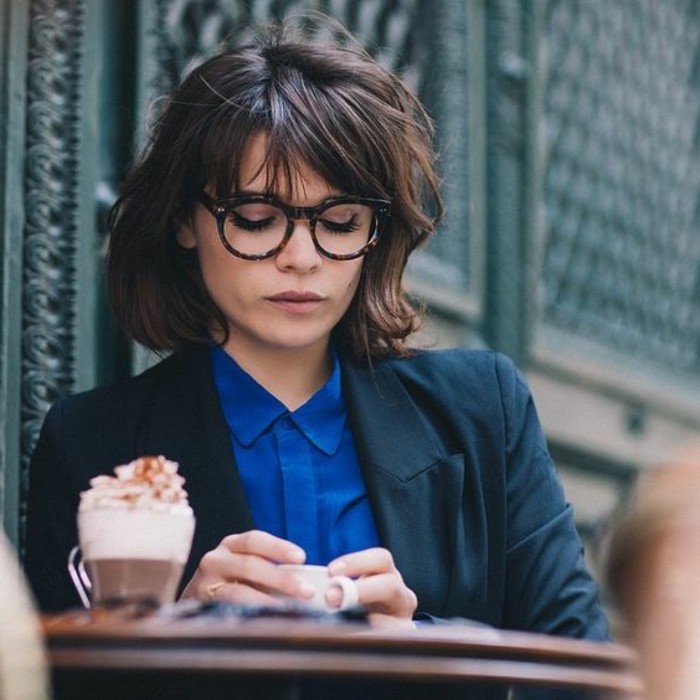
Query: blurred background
x=570, y=141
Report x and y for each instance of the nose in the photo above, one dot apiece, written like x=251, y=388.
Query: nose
x=299, y=253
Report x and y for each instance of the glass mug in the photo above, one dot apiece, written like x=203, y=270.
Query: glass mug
x=130, y=556
x=124, y=580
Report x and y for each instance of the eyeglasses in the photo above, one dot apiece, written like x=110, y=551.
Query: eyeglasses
x=258, y=227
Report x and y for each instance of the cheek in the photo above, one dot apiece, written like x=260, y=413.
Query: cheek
x=213, y=258
x=219, y=272
x=354, y=276
x=348, y=291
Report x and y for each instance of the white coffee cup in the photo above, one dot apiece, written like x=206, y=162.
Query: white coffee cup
x=321, y=581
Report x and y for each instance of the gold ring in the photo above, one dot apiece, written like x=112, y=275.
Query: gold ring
x=212, y=588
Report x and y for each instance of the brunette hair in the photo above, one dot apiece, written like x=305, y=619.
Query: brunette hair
x=323, y=101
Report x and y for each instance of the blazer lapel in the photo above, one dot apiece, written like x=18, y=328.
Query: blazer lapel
x=414, y=487
x=187, y=425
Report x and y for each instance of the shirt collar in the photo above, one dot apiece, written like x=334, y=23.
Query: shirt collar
x=250, y=409
x=322, y=418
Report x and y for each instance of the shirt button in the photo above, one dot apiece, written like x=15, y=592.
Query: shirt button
x=287, y=423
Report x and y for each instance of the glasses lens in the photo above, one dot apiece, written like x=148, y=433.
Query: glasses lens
x=254, y=228
x=343, y=229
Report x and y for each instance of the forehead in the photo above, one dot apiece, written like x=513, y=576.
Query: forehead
x=261, y=173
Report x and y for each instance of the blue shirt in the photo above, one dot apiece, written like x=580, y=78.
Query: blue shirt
x=300, y=469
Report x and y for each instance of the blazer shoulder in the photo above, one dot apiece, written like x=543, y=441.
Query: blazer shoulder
x=96, y=429
x=126, y=397
x=459, y=367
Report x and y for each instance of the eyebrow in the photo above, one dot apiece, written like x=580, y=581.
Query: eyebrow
x=275, y=197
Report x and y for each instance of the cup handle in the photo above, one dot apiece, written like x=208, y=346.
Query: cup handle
x=348, y=587
x=79, y=576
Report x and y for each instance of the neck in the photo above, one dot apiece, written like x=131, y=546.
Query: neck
x=291, y=376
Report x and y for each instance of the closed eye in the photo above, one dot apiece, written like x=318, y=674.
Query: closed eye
x=348, y=226
x=251, y=225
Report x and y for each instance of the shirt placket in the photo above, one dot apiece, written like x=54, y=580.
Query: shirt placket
x=299, y=487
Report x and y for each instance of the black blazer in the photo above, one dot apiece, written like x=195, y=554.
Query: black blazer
x=463, y=490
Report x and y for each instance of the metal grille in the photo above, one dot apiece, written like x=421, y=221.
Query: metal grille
x=622, y=253
x=193, y=29
x=182, y=33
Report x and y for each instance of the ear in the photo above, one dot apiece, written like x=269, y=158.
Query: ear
x=185, y=236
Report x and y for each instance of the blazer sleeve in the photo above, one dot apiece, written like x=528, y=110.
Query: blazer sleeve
x=51, y=531
x=548, y=586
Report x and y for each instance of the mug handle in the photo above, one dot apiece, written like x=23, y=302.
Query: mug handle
x=348, y=588
x=79, y=576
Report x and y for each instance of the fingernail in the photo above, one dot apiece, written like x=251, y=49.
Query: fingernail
x=307, y=590
x=333, y=597
x=296, y=555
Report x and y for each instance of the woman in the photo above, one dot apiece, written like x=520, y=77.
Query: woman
x=263, y=240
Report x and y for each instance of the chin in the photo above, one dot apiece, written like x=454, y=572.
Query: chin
x=286, y=338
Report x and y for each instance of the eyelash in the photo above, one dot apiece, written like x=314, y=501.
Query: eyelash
x=345, y=227
x=247, y=224
x=259, y=225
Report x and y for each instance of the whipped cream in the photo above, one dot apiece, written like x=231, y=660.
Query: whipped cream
x=147, y=483
x=142, y=512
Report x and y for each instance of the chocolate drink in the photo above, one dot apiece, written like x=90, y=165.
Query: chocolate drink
x=135, y=530
x=134, y=579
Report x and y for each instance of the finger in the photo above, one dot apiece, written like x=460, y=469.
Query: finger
x=255, y=572
x=387, y=593
x=367, y=562
x=265, y=545
x=237, y=592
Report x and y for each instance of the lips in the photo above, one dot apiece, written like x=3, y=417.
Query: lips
x=295, y=301
x=295, y=296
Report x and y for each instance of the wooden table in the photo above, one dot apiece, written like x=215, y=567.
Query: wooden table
x=293, y=659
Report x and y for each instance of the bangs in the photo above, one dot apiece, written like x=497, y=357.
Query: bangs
x=322, y=128
x=306, y=125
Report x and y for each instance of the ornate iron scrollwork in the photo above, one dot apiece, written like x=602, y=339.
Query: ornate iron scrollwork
x=52, y=191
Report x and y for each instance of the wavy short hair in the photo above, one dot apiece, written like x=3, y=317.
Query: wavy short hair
x=322, y=102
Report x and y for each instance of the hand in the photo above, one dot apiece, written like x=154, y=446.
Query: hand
x=243, y=569
x=380, y=586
